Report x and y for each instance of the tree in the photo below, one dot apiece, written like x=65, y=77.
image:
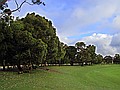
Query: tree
x=66, y=59
x=80, y=46
x=116, y=59
x=108, y=59
x=28, y=49
x=19, y=46
x=42, y=28
x=6, y=35
x=85, y=57
x=91, y=50
x=85, y=54
x=38, y=52
x=98, y=59
x=81, y=52
x=61, y=52
x=71, y=52
x=23, y=43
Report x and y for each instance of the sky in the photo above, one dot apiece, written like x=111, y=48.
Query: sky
x=92, y=21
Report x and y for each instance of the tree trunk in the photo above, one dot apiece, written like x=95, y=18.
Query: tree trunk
x=19, y=67
x=30, y=67
x=3, y=65
x=3, y=68
x=82, y=64
x=71, y=63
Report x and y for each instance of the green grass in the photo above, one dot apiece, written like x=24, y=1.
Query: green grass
x=99, y=77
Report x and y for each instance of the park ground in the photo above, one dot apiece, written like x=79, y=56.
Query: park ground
x=97, y=77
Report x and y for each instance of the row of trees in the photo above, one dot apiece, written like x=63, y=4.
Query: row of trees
x=82, y=54
x=32, y=41
x=28, y=41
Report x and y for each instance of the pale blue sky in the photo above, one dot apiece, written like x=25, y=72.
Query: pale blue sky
x=92, y=21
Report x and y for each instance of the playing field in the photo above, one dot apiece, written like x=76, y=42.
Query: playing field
x=99, y=77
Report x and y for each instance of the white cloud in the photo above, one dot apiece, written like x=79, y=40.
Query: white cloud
x=67, y=40
x=102, y=42
x=105, y=44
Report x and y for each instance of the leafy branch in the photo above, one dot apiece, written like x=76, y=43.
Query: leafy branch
x=9, y=12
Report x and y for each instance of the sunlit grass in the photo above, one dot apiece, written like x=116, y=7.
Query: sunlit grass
x=99, y=77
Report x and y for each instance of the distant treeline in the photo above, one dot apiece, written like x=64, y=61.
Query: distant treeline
x=80, y=54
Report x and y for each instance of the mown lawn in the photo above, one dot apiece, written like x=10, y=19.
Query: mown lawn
x=99, y=77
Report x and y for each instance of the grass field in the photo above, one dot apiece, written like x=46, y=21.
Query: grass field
x=99, y=77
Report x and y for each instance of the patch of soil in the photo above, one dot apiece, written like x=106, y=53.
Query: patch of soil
x=51, y=70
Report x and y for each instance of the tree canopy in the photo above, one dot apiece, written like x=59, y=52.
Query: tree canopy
x=30, y=40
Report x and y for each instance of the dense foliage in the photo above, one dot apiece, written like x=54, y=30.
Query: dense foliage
x=82, y=54
x=30, y=40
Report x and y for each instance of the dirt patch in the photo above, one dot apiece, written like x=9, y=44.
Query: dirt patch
x=51, y=70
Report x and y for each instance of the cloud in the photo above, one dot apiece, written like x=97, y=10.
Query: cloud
x=103, y=43
x=81, y=17
x=115, y=42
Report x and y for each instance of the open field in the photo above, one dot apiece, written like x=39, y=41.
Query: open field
x=99, y=77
